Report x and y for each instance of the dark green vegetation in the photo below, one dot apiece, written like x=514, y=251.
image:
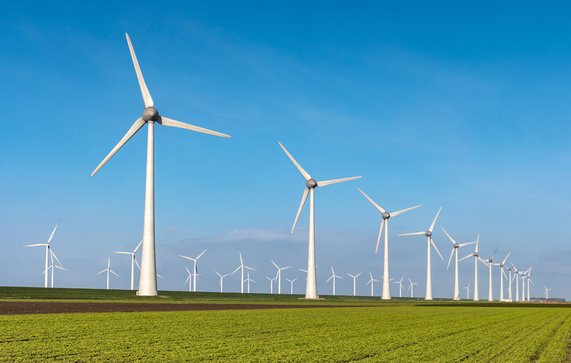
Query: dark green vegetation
x=400, y=331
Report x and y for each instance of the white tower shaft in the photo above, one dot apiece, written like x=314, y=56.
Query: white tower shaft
x=501, y=283
x=428, y=295
x=386, y=295
x=490, y=292
x=311, y=285
x=456, y=287
x=476, y=297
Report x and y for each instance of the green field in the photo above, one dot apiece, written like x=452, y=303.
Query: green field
x=401, y=331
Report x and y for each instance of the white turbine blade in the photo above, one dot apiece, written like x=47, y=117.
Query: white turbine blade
x=369, y=282
x=359, y=274
x=202, y=253
x=450, y=259
x=436, y=248
x=102, y=271
x=301, y=170
x=188, y=278
x=285, y=268
x=431, y=228
x=214, y=271
x=301, y=205
x=379, y=208
x=137, y=264
x=113, y=272
x=477, y=242
x=504, y=274
x=124, y=253
x=144, y=90
x=272, y=261
x=160, y=277
x=335, y=181
x=55, y=257
x=60, y=267
x=165, y=121
x=329, y=279
x=52, y=235
x=449, y=236
x=187, y=270
x=36, y=245
x=236, y=270
x=132, y=131
x=465, y=257
x=399, y=212
x=249, y=268
x=467, y=244
x=381, y=227
x=138, y=246
x=188, y=258
x=413, y=234
x=506, y=258
x=483, y=261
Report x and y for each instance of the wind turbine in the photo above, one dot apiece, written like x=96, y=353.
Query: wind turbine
x=502, y=275
x=355, y=282
x=411, y=287
x=333, y=277
x=47, y=246
x=108, y=270
x=148, y=278
x=310, y=185
x=399, y=282
x=53, y=265
x=476, y=256
x=279, y=275
x=546, y=293
x=189, y=278
x=195, y=268
x=510, y=270
x=489, y=263
x=271, y=283
x=372, y=283
x=523, y=277
x=430, y=242
x=133, y=262
x=516, y=278
x=455, y=247
x=248, y=280
x=242, y=267
x=467, y=288
x=222, y=279
x=528, y=283
x=385, y=216
x=291, y=285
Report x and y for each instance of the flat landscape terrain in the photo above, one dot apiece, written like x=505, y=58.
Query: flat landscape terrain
x=342, y=329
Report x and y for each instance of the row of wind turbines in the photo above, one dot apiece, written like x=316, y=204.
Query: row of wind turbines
x=148, y=276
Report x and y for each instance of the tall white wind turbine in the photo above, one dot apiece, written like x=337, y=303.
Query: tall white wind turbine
x=354, y=282
x=455, y=247
x=54, y=263
x=248, y=280
x=510, y=279
x=279, y=275
x=411, y=287
x=108, y=270
x=467, y=288
x=271, y=280
x=516, y=278
x=291, y=285
x=47, y=246
x=429, y=244
x=528, y=283
x=332, y=278
x=399, y=282
x=188, y=278
x=148, y=278
x=385, y=216
x=242, y=268
x=195, y=267
x=221, y=283
x=372, y=283
x=133, y=262
x=310, y=185
x=476, y=256
x=546, y=292
x=523, y=277
x=489, y=263
x=502, y=275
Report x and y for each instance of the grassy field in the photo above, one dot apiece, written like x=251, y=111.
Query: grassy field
x=401, y=331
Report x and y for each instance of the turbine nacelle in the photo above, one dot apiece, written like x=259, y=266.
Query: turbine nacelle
x=386, y=215
x=311, y=183
x=150, y=114
x=428, y=234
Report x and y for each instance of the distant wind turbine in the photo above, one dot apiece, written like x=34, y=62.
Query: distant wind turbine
x=47, y=246
x=429, y=245
x=332, y=278
x=411, y=287
x=54, y=265
x=467, y=288
x=489, y=263
x=354, y=277
x=133, y=262
x=385, y=216
x=148, y=278
x=455, y=247
x=195, y=267
x=271, y=280
x=222, y=280
x=502, y=275
x=310, y=185
x=291, y=285
x=399, y=282
x=248, y=280
x=108, y=270
x=372, y=283
x=279, y=275
x=476, y=256
x=546, y=292
x=242, y=268
x=189, y=278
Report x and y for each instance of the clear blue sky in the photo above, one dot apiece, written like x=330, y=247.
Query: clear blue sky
x=464, y=106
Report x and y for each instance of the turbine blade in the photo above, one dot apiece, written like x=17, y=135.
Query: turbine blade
x=144, y=90
x=236, y=270
x=165, y=121
x=449, y=236
x=124, y=253
x=382, y=226
x=188, y=258
x=379, y=208
x=138, y=246
x=335, y=181
x=36, y=245
x=137, y=264
x=202, y=253
x=436, y=248
x=132, y=131
x=450, y=259
x=431, y=228
x=187, y=270
x=413, y=234
x=275, y=264
x=467, y=244
x=55, y=257
x=398, y=213
x=100, y=272
x=301, y=170
x=300, y=208
x=506, y=258
x=52, y=235
x=113, y=272
x=329, y=279
x=249, y=268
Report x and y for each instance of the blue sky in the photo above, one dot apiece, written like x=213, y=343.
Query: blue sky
x=453, y=105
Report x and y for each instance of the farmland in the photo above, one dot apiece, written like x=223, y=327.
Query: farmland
x=398, y=331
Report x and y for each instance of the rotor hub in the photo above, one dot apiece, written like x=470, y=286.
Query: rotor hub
x=428, y=234
x=476, y=254
x=386, y=215
x=311, y=183
x=150, y=114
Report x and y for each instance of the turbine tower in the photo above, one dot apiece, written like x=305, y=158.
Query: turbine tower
x=47, y=246
x=476, y=256
x=546, y=292
x=108, y=270
x=332, y=278
x=279, y=275
x=310, y=185
x=528, y=283
x=502, y=275
x=133, y=262
x=515, y=277
x=455, y=247
x=195, y=267
x=385, y=216
x=429, y=243
x=148, y=277
x=354, y=282
x=489, y=263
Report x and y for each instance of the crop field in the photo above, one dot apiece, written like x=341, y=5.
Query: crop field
x=405, y=332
